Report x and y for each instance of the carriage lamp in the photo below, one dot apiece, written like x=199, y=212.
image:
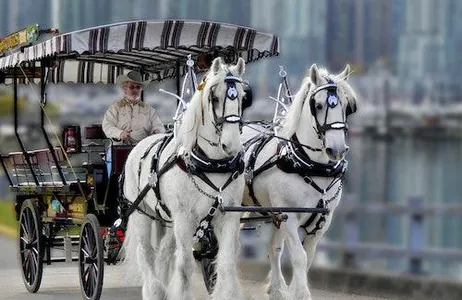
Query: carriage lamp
x=72, y=139
x=90, y=179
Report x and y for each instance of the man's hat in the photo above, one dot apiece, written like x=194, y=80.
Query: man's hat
x=132, y=76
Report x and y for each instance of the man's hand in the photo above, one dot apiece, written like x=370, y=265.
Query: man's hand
x=125, y=134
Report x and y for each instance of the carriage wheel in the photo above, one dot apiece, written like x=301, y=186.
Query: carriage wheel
x=31, y=246
x=91, y=259
x=209, y=273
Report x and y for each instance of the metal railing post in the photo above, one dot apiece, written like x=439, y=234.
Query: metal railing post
x=350, y=232
x=416, y=235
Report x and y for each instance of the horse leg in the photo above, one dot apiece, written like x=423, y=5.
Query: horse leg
x=180, y=284
x=227, y=232
x=138, y=244
x=309, y=244
x=299, y=284
x=277, y=288
x=164, y=255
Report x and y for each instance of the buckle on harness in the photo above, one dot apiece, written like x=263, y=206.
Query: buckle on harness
x=152, y=180
x=248, y=176
x=308, y=179
x=212, y=211
x=220, y=203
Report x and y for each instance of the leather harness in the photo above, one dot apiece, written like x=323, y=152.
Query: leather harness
x=290, y=157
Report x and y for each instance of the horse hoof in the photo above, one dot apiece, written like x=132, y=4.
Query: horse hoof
x=279, y=294
x=302, y=295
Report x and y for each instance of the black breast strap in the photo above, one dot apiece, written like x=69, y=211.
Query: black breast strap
x=250, y=172
x=198, y=164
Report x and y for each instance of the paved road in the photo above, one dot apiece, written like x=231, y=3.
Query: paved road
x=60, y=281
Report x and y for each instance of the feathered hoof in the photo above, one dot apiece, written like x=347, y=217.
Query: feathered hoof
x=231, y=290
x=302, y=295
x=278, y=294
x=276, y=287
x=228, y=296
x=153, y=293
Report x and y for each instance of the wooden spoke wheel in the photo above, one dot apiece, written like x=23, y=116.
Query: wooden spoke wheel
x=31, y=245
x=91, y=259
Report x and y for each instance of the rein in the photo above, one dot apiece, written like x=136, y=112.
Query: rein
x=251, y=141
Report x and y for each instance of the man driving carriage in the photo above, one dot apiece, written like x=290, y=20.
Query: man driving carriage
x=130, y=120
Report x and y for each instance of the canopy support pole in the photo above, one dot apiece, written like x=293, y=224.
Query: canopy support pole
x=43, y=101
x=178, y=79
x=16, y=116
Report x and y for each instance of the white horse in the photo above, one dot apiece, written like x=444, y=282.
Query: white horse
x=303, y=166
x=198, y=171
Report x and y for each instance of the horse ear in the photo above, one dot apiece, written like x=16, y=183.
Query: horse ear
x=216, y=65
x=240, y=67
x=345, y=73
x=314, y=74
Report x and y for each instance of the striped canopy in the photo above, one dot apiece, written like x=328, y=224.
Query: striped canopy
x=156, y=48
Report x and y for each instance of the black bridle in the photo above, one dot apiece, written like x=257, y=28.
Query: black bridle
x=332, y=100
x=232, y=94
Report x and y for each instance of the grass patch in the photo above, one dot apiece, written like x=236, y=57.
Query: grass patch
x=7, y=214
x=9, y=224
x=8, y=220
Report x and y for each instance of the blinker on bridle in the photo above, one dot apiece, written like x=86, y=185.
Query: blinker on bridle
x=231, y=90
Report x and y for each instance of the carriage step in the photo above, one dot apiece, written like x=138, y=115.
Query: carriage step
x=63, y=259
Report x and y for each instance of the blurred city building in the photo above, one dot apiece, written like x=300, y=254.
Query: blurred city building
x=404, y=53
x=428, y=50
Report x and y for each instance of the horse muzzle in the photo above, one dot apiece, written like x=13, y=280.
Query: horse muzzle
x=337, y=153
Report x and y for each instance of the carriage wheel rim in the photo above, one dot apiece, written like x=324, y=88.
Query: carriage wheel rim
x=89, y=261
x=28, y=245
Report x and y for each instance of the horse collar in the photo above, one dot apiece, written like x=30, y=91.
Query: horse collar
x=293, y=159
x=197, y=162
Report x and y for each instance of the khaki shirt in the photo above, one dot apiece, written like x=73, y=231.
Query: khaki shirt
x=141, y=118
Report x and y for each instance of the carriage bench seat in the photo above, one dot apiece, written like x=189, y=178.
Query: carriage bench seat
x=94, y=132
x=119, y=157
x=43, y=166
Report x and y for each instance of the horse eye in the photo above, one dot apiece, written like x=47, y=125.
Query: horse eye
x=214, y=99
x=318, y=106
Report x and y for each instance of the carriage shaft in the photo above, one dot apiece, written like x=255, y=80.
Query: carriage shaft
x=277, y=209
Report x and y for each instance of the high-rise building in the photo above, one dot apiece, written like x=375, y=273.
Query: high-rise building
x=301, y=27
x=4, y=19
x=396, y=26
x=341, y=40
x=73, y=15
x=428, y=49
x=362, y=32
x=15, y=15
x=376, y=25
x=453, y=38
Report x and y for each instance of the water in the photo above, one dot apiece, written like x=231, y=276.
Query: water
x=393, y=171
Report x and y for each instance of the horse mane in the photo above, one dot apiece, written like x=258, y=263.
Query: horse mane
x=187, y=134
x=351, y=96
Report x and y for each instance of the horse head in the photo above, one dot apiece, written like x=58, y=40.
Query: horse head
x=331, y=100
x=214, y=117
x=318, y=116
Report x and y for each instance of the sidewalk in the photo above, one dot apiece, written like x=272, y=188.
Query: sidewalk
x=8, y=231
